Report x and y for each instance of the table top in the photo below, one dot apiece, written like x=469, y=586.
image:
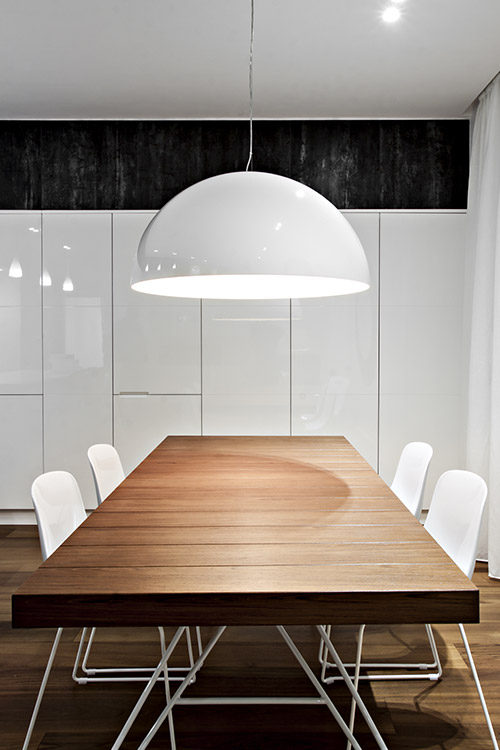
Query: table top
x=248, y=530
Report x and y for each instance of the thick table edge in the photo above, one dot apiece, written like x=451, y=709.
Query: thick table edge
x=343, y=608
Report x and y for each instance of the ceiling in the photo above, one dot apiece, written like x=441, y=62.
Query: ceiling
x=177, y=59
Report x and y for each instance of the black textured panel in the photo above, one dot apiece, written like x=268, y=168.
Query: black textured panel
x=20, y=183
x=155, y=161
x=225, y=148
x=424, y=164
x=78, y=165
x=272, y=147
x=128, y=164
x=338, y=159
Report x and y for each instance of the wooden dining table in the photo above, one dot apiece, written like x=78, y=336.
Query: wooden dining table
x=218, y=531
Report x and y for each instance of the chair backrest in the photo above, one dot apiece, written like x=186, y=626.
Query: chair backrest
x=409, y=480
x=455, y=516
x=107, y=469
x=58, y=507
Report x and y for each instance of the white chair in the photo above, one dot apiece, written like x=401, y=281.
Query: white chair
x=454, y=520
x=59, y=510
x=409, y=480
x=107, y=469
x=408, y=484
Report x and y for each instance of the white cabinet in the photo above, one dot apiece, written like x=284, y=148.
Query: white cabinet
x=141, y=422
x=20, y=449
x=246, y=414
x=381, y=372
x=77, y=350
x=353, y=416
x=20, y=311
x=20, y=259
x=77, y=259
x=246, y=368
x=335, y=357
x=77, y=341
x=157, y=349
x=20, y=350
x=421, y=338
x=157, y=346
x=71, y=425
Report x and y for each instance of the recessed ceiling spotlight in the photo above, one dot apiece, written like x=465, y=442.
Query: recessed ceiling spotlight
x=391, y=14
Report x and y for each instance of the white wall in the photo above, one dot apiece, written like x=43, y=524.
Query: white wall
x=380, y=367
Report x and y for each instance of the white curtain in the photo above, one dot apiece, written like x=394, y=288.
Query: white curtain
x=483, y=404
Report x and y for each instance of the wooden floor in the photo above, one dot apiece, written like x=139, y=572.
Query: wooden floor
x=411, y=715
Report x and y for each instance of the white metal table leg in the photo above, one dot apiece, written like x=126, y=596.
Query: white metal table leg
x=364, y=711
x=166, y=711
x=178, y=693
x=171, y=728
x=145, y=693
x=42, y=688
x=359, y=650
x=319, y=687
x=198, y=640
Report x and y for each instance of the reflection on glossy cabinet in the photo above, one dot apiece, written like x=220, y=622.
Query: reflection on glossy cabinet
x=77, y=259
x=77, y=338
x=20, y=259
x=20, y=312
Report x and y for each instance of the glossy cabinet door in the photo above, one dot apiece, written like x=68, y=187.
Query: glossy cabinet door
x=422, y=338
x=71, y=425
x=20, y=311
x=77, y=341
x=246, y=368
x=335, y=357
x=142, y=421
x=157, y=344
x=77, y=304
x=20, y=449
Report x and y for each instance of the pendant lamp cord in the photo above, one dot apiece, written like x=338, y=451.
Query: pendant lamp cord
x=250, y=85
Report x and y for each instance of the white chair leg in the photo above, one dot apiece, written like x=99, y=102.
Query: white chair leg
x=437, y=661
x=125, y=674
x=42, y=689
x=478, y=686
x=421, y=667
x=81, y=645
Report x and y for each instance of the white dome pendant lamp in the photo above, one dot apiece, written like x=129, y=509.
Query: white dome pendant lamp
x=249, y=235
